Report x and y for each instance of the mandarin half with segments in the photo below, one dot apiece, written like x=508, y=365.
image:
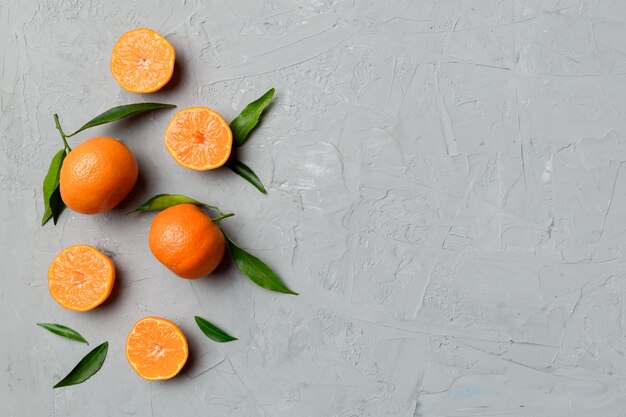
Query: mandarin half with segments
x=156, y=348
x=97, y=174
x=142, y=61
x=81, y=277
x=186, y=241
x=199, y=138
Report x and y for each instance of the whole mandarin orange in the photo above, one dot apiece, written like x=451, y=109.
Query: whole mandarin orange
x=186, y=241
x=97, y=174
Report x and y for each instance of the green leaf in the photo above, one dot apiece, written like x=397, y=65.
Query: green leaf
x=256, y=270
x=119, y=112
x=246, y=173
x=53, y=204
x=243, y=124
x=88, y=366
x=64, y=331
x=213, y=332
x=163, y=201
x=57, y=205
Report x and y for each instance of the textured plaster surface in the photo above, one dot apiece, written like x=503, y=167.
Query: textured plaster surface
x=446, y=191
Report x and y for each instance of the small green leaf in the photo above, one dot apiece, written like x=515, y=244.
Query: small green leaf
x=51, y=194
x=57, y=205
x=88, y=366
x=256, y=270
x=163, y=201
x=213, y=332
x=119, y=112
x=246, y=173
x=64, y=331
x=247, y=120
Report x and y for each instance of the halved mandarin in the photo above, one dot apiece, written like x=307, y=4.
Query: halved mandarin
x=199, y=138
x=142, y=61
x=81, y=277
x=156, y=348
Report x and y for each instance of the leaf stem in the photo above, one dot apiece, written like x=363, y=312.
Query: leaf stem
x=222, y=217
x=220, y=212
x=63, y=135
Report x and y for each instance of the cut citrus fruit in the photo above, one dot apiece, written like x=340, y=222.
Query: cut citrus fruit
x=156, y=348
x=142, y=61
x=186, y=241
x=81, y=277
x=199, y=138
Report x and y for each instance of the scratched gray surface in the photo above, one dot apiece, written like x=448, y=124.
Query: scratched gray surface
x=446, y=192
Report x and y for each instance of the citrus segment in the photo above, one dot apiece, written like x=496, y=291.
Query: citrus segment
x=199, y=138
x=142, y=61
x=81, y=277
x=156, y=348
x=186, y=241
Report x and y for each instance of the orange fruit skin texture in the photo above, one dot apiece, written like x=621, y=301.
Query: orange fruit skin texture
x=186, y=241
x=156, y=348
x=199, y=138
x=97, y=174
x=81, y=278
x=142, y=61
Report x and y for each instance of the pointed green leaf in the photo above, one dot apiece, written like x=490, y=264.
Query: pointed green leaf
x=88, y=366
x=53, y=205
x=57, y=205
x=64, y=331
x=212, y=331
x=246, y=173
x=163, y=201
x=119, y=112
x=256, y=270
x=247, y=120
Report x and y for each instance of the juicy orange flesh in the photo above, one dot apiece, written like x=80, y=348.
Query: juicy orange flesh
x=142, y=60
x=156, y=348
x=80, y=277
x=199, y=138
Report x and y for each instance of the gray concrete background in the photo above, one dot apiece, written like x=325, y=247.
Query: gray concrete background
x=446, y=191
